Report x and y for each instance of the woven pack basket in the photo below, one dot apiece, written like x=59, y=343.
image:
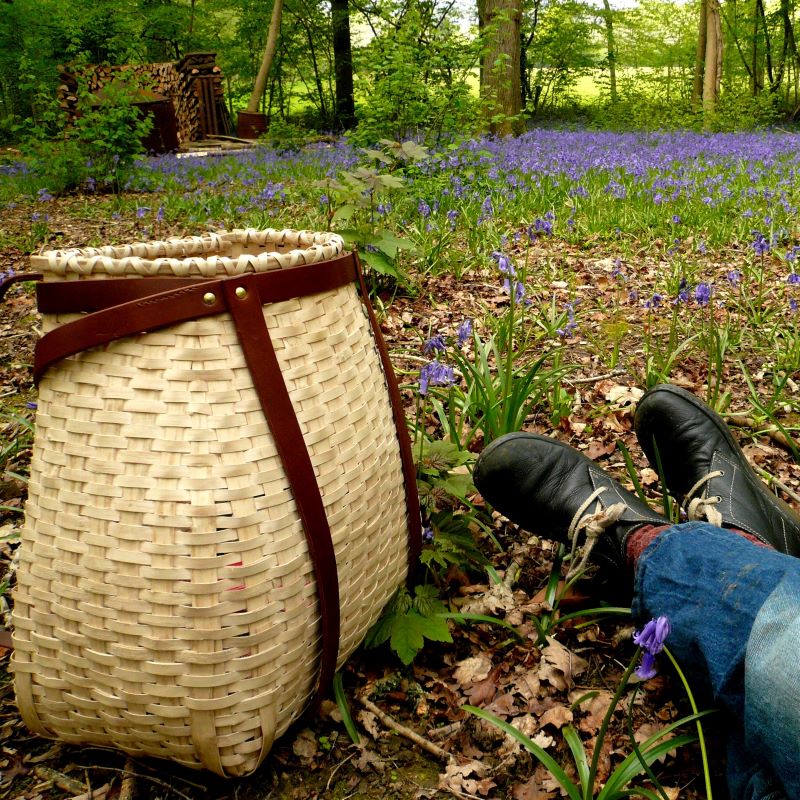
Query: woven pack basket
x=221, y=495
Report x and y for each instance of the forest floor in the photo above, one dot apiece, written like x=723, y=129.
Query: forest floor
x=536, y=688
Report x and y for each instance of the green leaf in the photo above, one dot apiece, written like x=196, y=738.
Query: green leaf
x=380, y=262
x=407, y=636
x=390, y=181
x=344, y=214
x=390, y=243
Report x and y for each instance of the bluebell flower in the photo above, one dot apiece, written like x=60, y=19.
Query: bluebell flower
x=734, y=277
x=676, y=220
x=43, y=195
x=424, y=209
x=427, y=535
x=683, y=292
x=651, y=639
x=654, y=301
x=452, y=216
x=702, y=294
x=544, y=225
x=141, y=211
x=793, y=305
x=760, y=244
x=31, y=405
x=464, y=332
x=504, y=264
x=435, y=374
x=793, y=277
x=324, y=200
x=435, y=344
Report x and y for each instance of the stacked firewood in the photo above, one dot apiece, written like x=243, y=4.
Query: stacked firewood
x=193, y=84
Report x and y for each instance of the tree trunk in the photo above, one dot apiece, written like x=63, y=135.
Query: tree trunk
x=700, y=56
x=266, y=62
x=343, y=64
x=712, y=72
x=612, y=50
x=500, y=87
x=755, y=69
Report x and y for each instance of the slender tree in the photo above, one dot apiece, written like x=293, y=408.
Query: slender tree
x=343, y=64
x=712, y=72
x=266, y=62
x=611, y=49
x=500, y=85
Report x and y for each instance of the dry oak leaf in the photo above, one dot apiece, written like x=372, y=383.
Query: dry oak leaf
x=646, y=730
x=557, y=716
x=648, y=477
x=527, y=685
x=469, y=778
x=369, y=722
x=529, y=725
x=530, y=790
x=498, y=598
x=595, y=708
x=559, y=665
x=471, y=670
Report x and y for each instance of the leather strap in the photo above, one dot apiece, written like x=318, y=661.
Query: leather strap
x=265, y=370
x=125, y=307
x=18, y=277
x=406, y=456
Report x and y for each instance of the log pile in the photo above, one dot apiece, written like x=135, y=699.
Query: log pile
x=193, y=84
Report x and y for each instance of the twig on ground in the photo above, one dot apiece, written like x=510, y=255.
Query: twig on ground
x=594, y=378
x=445, y=730
x=333, y=771
x=150, y=778
x=128, y=781
x=412, y=736
x=60, y=779
x=780, y=484
x=743, y=421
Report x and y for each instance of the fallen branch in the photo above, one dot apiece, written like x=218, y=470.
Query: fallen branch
x=780, y=484
x=128, y=781
x=744, y=421
x=412, y=736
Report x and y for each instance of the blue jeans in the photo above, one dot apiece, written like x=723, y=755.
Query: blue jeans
x=735, y=614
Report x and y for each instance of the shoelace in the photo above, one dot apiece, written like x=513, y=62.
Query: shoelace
x=702, y=508
x=593, y=524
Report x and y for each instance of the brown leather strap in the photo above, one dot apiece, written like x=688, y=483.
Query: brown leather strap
x=125, y=311
x=18, y=277
x=406, y=456
x=265, y=370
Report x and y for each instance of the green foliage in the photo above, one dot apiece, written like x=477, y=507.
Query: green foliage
x=415, y=81
x=618, y=784
x=356, y=199
x=408, y=621
x=97, y=148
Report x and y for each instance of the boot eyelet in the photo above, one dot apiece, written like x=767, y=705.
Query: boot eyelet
x=718, y=499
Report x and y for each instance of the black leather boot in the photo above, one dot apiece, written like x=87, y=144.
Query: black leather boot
x=706, y=469
x=554, y=491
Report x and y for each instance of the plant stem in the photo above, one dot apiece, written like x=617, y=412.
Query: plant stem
x=588, y=789
x=700, y=737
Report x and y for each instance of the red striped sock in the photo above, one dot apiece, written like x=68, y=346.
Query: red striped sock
x=641, y=537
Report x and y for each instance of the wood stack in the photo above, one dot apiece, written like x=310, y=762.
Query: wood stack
x=204, y=94
x=193, y=84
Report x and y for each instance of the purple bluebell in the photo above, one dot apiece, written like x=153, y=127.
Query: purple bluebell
x=424, y=209
x=702, y=294
x=464, y=332
x=654, y=301
x=435, y=374
x=793, y=277
x=43, y=195
x=734, y=277
x=427, y=535
x=436, y=344
x=760, y=243
x=141, y=211
x=651, y=639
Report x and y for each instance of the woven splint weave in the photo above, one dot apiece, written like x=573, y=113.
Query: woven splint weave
x=169, y=599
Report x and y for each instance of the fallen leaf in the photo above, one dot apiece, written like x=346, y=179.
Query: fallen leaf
x=646, y=730
x=482, y=692
x=557, y=716
x=469, y=778
x=369, y=722
x=648, y=477
x=595, y=709
x=305, y=745
x=471, y=670
x=367, y=761
x=598, y=449
x=559, y=665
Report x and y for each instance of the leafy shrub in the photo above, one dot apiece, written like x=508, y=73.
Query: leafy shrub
x=97, y=148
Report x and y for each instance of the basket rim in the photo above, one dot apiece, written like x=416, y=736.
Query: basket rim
x=204, y=254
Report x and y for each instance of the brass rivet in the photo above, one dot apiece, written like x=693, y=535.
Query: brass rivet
x=241, y=292
x=209, y=298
